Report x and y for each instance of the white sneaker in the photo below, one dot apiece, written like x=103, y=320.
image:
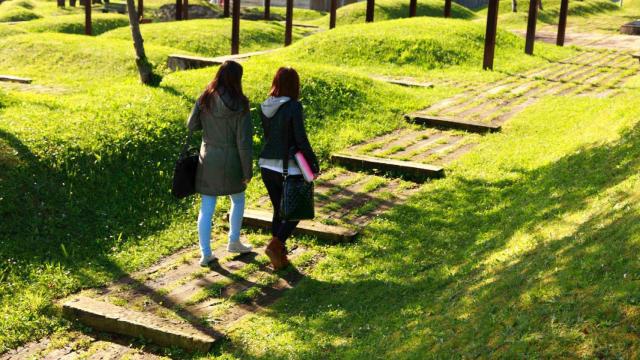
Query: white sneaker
x=238, y=247
x=206, y=260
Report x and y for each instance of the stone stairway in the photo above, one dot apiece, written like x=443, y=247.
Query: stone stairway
x=178, y=303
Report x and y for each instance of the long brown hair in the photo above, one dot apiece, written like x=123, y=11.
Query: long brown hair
x=228, y=81
x=286, y=83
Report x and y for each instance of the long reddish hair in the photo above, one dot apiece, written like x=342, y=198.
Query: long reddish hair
x=228, y=81
x=286, y=83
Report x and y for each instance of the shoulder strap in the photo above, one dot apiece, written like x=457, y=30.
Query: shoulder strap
x=285, y=159
x=185, y=148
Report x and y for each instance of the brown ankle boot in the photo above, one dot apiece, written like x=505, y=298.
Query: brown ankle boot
x=277, y=254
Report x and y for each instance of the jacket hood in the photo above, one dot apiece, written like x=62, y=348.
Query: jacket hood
x=272, y=104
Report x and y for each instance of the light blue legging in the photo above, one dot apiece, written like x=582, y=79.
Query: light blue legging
x=206, y=214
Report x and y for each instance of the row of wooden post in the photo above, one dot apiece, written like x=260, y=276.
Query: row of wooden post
x=88, y=28
x=532, y=19
x=182, y=13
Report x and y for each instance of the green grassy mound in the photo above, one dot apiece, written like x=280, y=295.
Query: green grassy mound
x=551, y=12
x=8, y=30
x=279, y=13
x=393, y=9
x=412, y=46
x=33, y=9
x=74, y=24
x=17, y=14
x=209, y=37
x=63, y=58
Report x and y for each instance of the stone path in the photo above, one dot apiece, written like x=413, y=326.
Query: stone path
x=603, y=41
x=178, y=298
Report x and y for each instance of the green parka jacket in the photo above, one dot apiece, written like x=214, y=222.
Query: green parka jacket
x=226, y=149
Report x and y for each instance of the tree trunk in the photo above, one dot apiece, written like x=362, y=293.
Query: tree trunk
x=61, y=3
x=540, y=5
x=144, y=67
x=514, y=5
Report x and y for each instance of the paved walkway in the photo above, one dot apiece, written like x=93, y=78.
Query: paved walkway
x=603, y=41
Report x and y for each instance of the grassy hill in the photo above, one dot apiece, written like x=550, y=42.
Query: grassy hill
x=551, y=11
x=74, y=24
x=392, y=9
x=414, y=47
x=210, y=37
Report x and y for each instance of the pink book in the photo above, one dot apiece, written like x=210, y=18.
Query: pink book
x=303, y=164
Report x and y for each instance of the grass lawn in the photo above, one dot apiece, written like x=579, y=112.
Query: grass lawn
x=527, y=247
x=392, y=9
x=583, y=16
x=210, y=37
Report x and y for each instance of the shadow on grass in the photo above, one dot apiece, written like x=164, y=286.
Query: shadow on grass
x=85, y=206
x=433, y=289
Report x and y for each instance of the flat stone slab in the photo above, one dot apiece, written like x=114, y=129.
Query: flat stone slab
x=449, y=123
x=632, y=28
x=403, y=82
x=306, y=26
x=333, y=234
x=407, y=169
x=15, y=79
x=185, y=62
x=110, y=318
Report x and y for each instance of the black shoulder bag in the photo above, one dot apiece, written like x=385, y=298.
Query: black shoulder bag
x=297, y=194
x=184, y=173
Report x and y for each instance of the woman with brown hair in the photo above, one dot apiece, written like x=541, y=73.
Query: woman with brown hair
x=282, y=114
x=225, y=165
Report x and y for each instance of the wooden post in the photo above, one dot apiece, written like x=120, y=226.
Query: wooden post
x=532, y=19
x=562, y=23
x=370, y=8
x=332, y=16
x=288, y=23
x=235, y=28
x=413, y=5
x=140, y=9
x=225, y=8
x=447, y=8
x=87, y=17
x=267, y=9
x=490, y=36
x=178, y=10
x=185, y=10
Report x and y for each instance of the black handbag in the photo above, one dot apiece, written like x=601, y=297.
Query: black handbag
x=184, y=173
x=297, y=194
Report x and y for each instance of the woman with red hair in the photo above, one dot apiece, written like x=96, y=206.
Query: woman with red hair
x=281, y=114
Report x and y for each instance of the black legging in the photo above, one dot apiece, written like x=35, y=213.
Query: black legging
x=273, y=182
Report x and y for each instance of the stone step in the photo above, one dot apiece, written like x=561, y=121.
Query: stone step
x=332, y=234
x=10, y=78
x=407, y=169
x=307, y=26
x=185, y=62
x=405, y=82
x=111, y=318
x=449, y=123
